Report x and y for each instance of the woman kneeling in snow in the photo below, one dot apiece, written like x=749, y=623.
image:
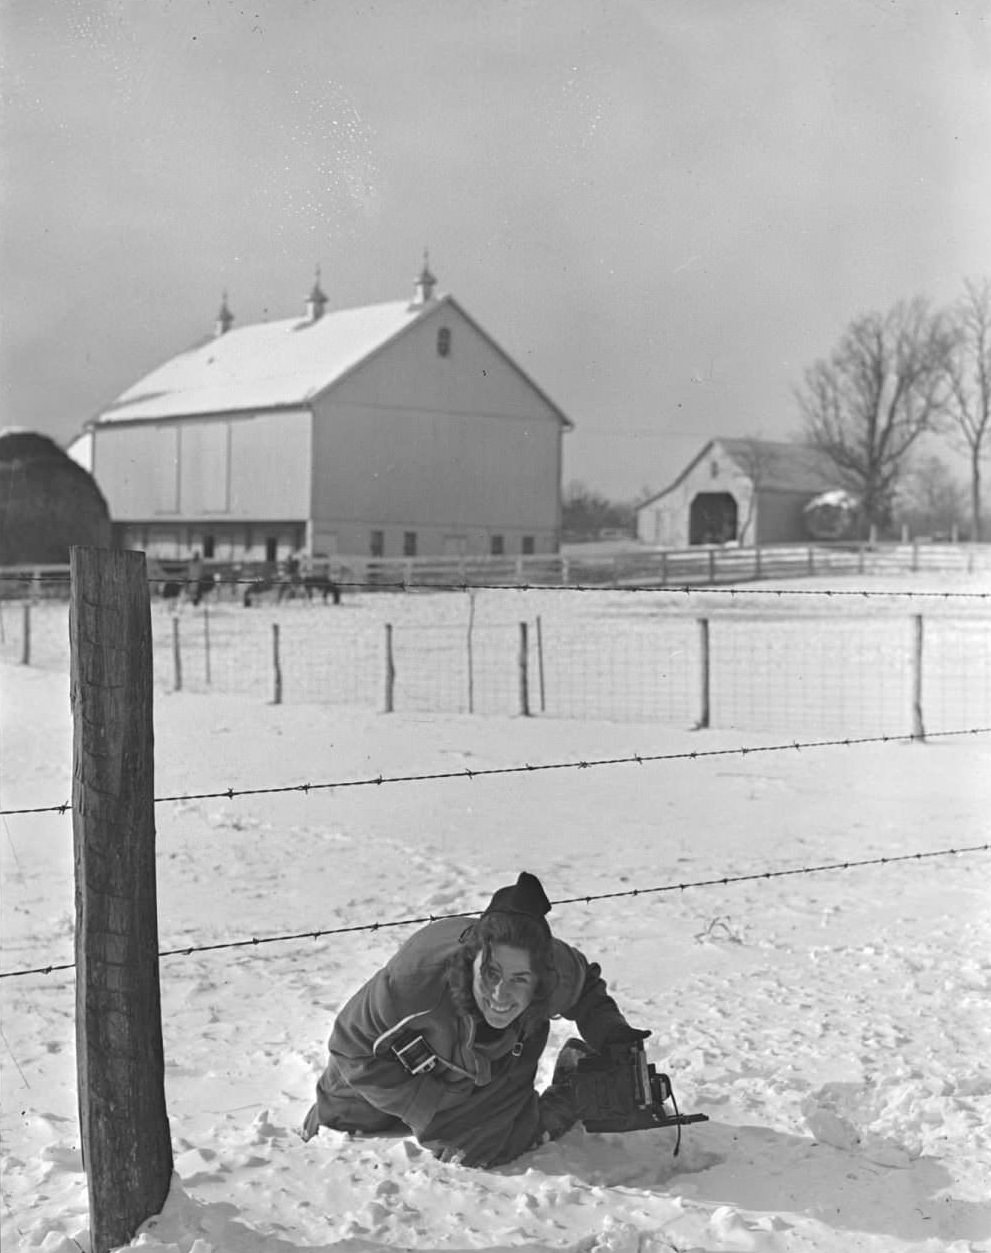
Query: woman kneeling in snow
x=445, y=1039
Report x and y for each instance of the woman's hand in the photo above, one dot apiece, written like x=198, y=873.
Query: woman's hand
x=623, y=1033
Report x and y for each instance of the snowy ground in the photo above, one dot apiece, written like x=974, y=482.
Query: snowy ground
x=835, y=1027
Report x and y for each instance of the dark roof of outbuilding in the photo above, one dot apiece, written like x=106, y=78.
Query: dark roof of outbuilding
x=783, y=467
x=779, y=466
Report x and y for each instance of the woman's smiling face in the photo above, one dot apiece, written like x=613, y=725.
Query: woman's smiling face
x=503, y=984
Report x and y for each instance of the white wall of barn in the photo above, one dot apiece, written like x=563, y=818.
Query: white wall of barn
x=665, y=522
x=231, y=468
x=454, y=449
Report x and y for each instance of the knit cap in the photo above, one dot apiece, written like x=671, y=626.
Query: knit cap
x=525, y=896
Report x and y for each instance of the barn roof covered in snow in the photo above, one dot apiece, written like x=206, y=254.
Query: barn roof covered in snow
x=277, y=365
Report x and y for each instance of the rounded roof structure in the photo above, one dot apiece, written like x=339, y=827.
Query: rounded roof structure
x=47, y=501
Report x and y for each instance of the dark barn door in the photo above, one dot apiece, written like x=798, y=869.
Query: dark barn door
x=712, y=519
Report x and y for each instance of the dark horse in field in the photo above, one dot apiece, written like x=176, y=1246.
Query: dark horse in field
x=287, y=589
x=174, y=589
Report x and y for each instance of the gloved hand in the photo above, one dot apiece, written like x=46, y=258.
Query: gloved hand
x=623, y=1033
x=558, y=1111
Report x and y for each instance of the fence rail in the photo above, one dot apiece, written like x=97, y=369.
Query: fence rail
x=637, y=567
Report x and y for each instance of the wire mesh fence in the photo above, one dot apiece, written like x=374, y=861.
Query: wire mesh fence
x=605, y=656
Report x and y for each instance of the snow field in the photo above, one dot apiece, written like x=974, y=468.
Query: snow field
x=834, y=1027
x=806, y=663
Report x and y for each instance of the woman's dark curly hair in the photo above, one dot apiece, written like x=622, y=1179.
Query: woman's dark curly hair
x=517, y=931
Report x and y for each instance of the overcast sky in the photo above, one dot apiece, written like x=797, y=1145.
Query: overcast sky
x=664, y=210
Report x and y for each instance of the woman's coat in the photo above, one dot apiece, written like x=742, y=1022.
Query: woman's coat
x=477, y=1103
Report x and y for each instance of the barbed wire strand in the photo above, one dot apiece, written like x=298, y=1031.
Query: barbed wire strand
x=462, y=585
x=641, y=759
x=586, y=899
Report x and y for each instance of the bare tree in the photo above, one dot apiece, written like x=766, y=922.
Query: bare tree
x=756, y=459
x=930, y=499
x=585, y=512
x=968, y=372
x=883, y=387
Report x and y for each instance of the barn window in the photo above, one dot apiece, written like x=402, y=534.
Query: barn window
x=714, y=469
x=409, y=543
x=497, y=545
x=271, y=547
x=527, y=546
x=444, y=342
x=377, y=546
x=208, y=546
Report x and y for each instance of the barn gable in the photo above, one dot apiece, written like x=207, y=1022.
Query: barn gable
x=441, y=429
x=283, y=364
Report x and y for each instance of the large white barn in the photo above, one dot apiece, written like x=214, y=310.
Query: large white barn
x=398, y=429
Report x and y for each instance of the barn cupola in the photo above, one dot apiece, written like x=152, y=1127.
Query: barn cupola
x=316, y=301
x=423, y=292
x=225, y=319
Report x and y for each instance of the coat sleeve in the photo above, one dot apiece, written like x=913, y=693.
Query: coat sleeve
x=374, y=1073
x=584, y=998
x=488, y=1129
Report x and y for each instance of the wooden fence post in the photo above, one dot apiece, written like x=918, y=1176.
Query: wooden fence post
x=120, y=1063
x=26, y=636
x=540, y=664
x=176, y=655
x=276, y=665
x=390, y=671
x=471, y=659
x=524, y=676
x=712, y=565
x=757, y=565
x=918, y=727
x=704, y=671
x=206, y=644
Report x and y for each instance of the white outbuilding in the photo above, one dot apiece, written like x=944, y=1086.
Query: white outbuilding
x=746, y=491
x=394, y=430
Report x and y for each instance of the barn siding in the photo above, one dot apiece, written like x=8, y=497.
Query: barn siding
x=239, y=468
x=271, y=465
x=456, y=449
x=137, y=468
x=781, y=517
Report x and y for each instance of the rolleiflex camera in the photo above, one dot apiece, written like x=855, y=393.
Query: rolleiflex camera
x=617, y=1089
